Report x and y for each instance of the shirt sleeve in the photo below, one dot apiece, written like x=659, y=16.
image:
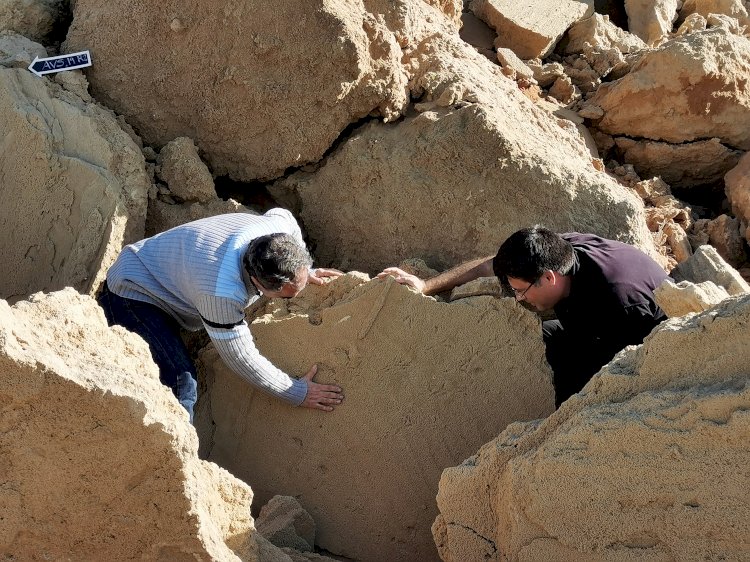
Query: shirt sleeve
x=290, y=222
x=232, y=339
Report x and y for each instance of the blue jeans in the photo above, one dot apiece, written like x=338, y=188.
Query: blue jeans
x=162, y=333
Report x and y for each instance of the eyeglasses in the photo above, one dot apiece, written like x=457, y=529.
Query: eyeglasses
x=520, y=294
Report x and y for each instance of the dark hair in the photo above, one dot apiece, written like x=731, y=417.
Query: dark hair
x=529, y=252
x=274, y=259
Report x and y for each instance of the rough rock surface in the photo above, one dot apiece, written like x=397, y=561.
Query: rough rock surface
x=35, y=19
x=184, y=172
x=648, y=463
x=98, y=459
x=732, y=8
x=599, y=32
x=737, y=188
x=691, y=88
x=707, y=265
x=16, y=51
x=477, y=151
x=286, y=524
x=74, y=187
x=679, y=299
x=531, y=29
x=651, y=20
x=724, y=235
x=425, y=383
x=261, y=97
x=687, y=165
x=482, y=286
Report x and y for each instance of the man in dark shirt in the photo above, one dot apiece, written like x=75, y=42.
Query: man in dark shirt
x=601, y=292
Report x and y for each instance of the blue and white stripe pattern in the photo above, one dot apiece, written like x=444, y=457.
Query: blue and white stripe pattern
x=194, y=273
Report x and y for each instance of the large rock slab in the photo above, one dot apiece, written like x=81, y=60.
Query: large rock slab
x=691, y=88
x=531, y=29
x=682, y=166
x=425, y=384
x=732, y=8
x=74, y=187
x=707, y=265
x=679, y=299
x=477, y=151
x=737, y=188
x=273, y=90
x=648, y=463
x=600, y=33
x=98, y=460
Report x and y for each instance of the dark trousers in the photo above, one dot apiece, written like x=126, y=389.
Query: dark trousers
x=162, y=333
x=573, y=361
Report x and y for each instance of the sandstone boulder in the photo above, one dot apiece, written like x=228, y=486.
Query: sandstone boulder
x=599, y=32
x=648, y=463
x=35, y=19
x=273, y=90
x=707, y=265
x=692, y=23
x=477, y=151
x=724, y=235
x=74, y=187
x=691, y=88
x=425, y=384
x=688, y=165
x=737, y=188
x=531, y=29
x=732, y=8
x=679, y=299
x=184, y=172
x=98, y=459
x=16, y=51
x=651, y=20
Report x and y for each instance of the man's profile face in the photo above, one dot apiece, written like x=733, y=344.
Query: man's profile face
x=288, y=290
x=542, y=295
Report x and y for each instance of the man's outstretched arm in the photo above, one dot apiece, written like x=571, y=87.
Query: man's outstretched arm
x=467, y=271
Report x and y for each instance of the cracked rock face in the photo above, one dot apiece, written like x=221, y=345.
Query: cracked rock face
x=74, y=187
x=651, y=20
x=650, y=462
x=273, y=90
x=98, y=460
x=425, y=384
x=697, y=82
x=476, y=151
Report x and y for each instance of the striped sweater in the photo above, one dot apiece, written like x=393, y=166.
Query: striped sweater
x=194, y=273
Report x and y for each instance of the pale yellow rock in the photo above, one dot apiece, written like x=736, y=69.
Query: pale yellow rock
x=478, y=152
x=531, y=29
x=651, y=20
x=74, y=187
x=648, y=463
x=692, y=23
x=286, y=524
x=99, y=460
x=184, y=172
x=732, y=25
x=678, y=241
x=545, y=74
x=691, y=88
x=680, y=299
x=687, y=165
x=737, y=188
x=706, y=264
x=425, y=384
x=724, y=235
x=733, y=8
x=599, y=32
x=513, y=67
x=273, y=90
x=35, y=19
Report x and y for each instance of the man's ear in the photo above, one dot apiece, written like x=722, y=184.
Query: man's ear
x=551, y=277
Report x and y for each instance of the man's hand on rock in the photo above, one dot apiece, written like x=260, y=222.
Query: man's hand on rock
x=321, y=276
x=321, y=396
x=402, y=277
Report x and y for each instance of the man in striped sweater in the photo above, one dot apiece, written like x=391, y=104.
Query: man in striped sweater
x=202, y=275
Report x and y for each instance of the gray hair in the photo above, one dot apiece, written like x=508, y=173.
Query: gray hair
x=274, y=259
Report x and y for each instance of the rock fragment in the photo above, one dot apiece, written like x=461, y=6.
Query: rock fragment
x=737, y=188
x=184, y=172
x=680, y=299
x=378, y=339
x=532, y=29
x=732, y=8
x=651, y=20
x=724, y=235
x=707, y=265
x=286, y=524
x=483, y=286
x=599, y=32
